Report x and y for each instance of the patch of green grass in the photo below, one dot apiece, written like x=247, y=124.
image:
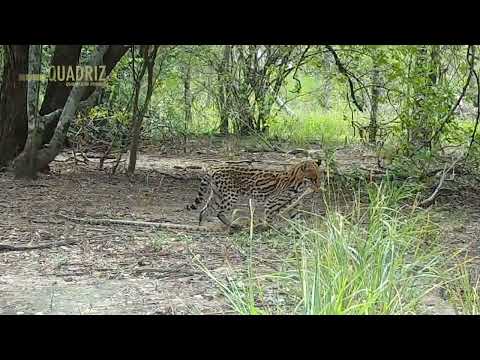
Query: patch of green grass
x=378, y=268
x=374, y=258
x=464, y=290
x=330, y=127
x=160, y=239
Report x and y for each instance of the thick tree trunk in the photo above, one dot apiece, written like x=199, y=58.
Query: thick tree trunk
x=13, y=108
x=26, y=166
x=57, y=92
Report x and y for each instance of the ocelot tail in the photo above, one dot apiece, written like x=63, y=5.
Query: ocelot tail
x=276, y=189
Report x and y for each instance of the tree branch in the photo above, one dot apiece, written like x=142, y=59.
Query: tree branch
x=345, y=72
x=471, y=62
x=5, y=247
x=472, y=140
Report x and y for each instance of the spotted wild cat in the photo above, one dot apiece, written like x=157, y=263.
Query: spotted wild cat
x=223, y=186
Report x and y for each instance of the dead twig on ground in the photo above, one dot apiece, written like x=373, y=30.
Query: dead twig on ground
x=172, y=175
x=5, y=247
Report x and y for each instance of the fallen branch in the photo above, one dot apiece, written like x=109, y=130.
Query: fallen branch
x=171, y=175
x=298, y=151
x=133, y=223
x=248, y=161
x=193, y=167
x=112, y=221
x=432, y=197
x=5, y=247
x=268, y=162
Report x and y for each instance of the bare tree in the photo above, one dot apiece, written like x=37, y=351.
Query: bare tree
x=149, y=54
x=250, y=79
x=187, y=99
x=223, y=93
x=375, y=97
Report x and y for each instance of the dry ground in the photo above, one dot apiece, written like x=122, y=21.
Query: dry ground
x=125, y=269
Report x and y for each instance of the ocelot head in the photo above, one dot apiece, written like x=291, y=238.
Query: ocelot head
x=309, y=170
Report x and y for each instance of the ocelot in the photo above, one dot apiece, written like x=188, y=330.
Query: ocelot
x=276, y=189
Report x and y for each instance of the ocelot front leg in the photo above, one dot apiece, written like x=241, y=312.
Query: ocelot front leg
x=276, y=204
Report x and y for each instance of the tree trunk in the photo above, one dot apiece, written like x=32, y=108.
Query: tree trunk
x=13, y=98
x=46, y=155
x=28, y=169
x=57, y=92
x=245, y=118
x=327, y=82
x=224, y=96
x=149, y=55
x=187, y=97
x=187, y=93
x=110, y=59
x=375, y=94
x=282, y=104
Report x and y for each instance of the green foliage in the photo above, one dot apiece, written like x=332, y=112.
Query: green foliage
x=101, y=125
x=418, y=87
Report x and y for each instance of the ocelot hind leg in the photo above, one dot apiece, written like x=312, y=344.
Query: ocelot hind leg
x=219, y=204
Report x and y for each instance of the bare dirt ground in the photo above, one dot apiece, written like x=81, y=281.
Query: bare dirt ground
x=125, y=269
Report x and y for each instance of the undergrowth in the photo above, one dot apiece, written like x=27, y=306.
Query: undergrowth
x=374, y=256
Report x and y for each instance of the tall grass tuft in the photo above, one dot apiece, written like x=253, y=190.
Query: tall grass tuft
x=369, y=258
x=371, y=261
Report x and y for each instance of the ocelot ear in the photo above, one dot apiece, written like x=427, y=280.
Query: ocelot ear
x=319, y=162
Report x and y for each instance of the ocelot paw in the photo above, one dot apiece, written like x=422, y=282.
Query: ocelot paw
x=233, y=228
x=261, y=227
